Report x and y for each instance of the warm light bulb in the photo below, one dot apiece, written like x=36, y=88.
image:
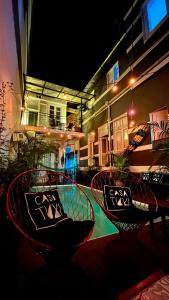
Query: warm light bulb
x=22, y=108
x=48, y=133
x=132, y=80
x=115, y=88
x=61, y=135
x=44, y=127
x=132, y=112
x=93, y=133
x=26, y=96
x=131, y=123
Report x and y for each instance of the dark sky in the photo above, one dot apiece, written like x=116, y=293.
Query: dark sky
x=69, y=41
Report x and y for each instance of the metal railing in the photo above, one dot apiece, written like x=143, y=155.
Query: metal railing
x=38, y=119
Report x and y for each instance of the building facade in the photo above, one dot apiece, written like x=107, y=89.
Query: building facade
x=54, y=112
x=131, y=94
x=15, y=20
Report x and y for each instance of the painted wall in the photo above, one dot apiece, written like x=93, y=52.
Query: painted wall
x=9, y=70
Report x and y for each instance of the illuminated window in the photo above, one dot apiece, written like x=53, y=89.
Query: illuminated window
x=154, y=12
x=91, y=139
x=120, y=133
x=113, y=74
x=160, y=119
x=32, y=119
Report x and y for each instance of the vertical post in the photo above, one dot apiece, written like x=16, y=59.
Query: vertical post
x=109, y=132
x=81, y=119
x=35, y=152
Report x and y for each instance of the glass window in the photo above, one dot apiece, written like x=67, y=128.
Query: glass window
x=113, y=74
x=58, y=113
x=120, y=134
x=160, y=120
x=125, y=138
x=119, y=141
x=33, y=117
x=154, y=12
x=52, y=110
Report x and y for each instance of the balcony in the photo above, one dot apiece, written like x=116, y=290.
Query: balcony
x=44, y=123
x=53, y=109
x=161, y=143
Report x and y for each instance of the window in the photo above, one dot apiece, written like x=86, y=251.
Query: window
x=54, y=116
x=103, y=151
x=113, y=74
x=91, y=139
x=120, y=133
x=33, y=117
x=160, y=119
x=58, y=114
x=52, y=112
x=51, y=116
x=154, y=12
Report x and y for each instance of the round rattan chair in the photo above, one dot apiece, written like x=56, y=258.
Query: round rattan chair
x=128, y=203
x=51, y=211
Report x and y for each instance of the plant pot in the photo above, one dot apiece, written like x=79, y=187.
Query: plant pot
x=119, y=183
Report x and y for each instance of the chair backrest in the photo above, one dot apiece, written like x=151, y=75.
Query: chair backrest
x=40, y=201
x=118, y=192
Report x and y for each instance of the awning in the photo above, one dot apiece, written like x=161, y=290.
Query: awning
x=52, y=90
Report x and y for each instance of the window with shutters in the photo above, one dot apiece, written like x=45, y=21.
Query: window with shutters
x=160, y=126
x=120, y=133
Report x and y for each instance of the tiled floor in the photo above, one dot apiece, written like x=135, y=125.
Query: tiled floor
x=100, y=269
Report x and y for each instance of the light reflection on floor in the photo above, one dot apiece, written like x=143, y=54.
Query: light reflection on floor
x=103, y=226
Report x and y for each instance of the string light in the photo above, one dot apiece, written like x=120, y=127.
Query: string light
x=131, y=112
x=26, y=96
x=131, y=123
x=132, y=81
x=115, y=88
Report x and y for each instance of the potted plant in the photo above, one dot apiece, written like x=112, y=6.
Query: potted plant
x=121, y=166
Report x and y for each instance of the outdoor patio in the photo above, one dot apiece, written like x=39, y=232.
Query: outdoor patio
x=101, y=269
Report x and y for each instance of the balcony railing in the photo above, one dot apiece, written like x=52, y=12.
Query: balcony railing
x=38, y=119
x=162, y=143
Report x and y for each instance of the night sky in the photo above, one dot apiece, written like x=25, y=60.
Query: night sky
x=69, y=41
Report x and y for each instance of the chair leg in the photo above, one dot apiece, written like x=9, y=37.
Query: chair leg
x=164, y=224
x=151, y=227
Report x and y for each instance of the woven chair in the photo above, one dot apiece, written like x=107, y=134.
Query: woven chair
x=128, y=203
x=51, y=211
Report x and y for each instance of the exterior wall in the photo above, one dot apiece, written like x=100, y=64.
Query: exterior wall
x=146, y=59
x=12, y=59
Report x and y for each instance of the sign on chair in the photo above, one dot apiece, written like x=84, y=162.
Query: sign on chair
x=44, y=209
x=117, y=198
